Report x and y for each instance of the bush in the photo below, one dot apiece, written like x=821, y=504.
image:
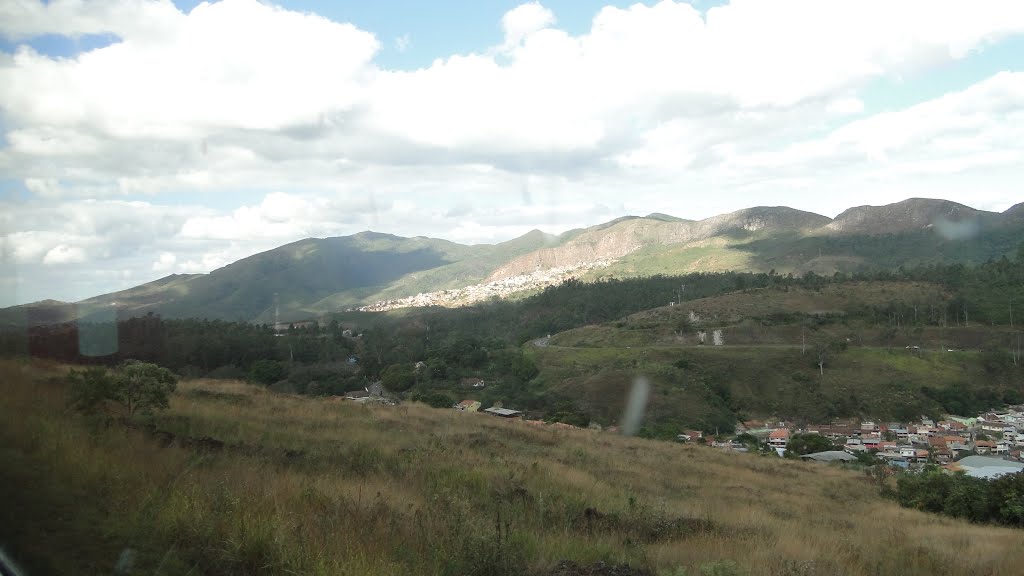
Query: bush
x=267, y=372
x=434, y=399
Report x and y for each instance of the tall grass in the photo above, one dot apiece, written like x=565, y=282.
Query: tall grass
x=315, y=486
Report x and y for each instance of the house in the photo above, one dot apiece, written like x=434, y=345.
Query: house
x=468, y=406
x=472, y=383
x=832, y=431
x=373, y=391
x=854, y=445
x=357, y=396
x=346, y=333
x=690, y=436
x=871, y=442
x=959, y=446
x=830, y=456
x=504, y=412
x=778, y=438
x=908, y=452
x=952, y=426
x=984, y=446
x=868, y=426
x=352, y=359
x=965, y=422
x=985, y=466
x=993, y=427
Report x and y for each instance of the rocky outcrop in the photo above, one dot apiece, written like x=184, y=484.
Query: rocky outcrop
x=627, y=236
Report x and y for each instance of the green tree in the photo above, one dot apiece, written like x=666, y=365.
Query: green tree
x=398, y=377
x=800, y=444
x=91, y=389
x=135, y=387
x=267, y=372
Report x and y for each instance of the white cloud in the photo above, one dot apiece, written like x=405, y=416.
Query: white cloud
x=845, y=106
x=165, y=262
x=524, y=20
x=654, y=108
x=402, y=42
x=64, y=254
x=22, y=19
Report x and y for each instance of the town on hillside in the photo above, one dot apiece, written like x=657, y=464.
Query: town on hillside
x=985, y=446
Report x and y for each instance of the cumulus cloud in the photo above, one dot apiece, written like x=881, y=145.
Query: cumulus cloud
x=523, y=20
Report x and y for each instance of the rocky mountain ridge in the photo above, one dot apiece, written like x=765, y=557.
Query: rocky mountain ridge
x=376, y=271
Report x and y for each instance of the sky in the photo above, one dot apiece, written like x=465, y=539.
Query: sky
x=141, y=138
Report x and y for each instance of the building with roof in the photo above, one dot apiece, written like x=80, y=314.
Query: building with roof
x=468, y=406
x=830, y=456
x=504, y=412
x=985, y=466
x=778, y=439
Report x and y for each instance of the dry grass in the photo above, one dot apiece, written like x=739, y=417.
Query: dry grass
x=310, y=486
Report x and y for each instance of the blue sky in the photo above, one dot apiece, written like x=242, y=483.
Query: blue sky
x=139, y=138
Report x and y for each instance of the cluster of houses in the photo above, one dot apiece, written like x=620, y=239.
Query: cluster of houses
x=499, y=288
x=985, y=445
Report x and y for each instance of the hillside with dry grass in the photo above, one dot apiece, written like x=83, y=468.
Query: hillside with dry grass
x=234, y=479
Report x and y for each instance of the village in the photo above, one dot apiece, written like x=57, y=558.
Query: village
x=985, y=446
x=475, y=293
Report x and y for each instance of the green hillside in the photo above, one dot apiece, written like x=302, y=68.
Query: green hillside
x=235, y=479
x=315, y=277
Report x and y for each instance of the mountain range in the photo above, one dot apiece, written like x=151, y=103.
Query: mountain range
x=311, y=277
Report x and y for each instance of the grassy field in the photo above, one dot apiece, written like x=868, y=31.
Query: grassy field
x=691, y=384
x=242, y=481
x=768, y=365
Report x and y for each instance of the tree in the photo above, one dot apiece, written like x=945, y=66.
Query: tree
x=91, y=389
x=135, y=387
x=398, y=377
x=800, y=444
x=267, y=371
